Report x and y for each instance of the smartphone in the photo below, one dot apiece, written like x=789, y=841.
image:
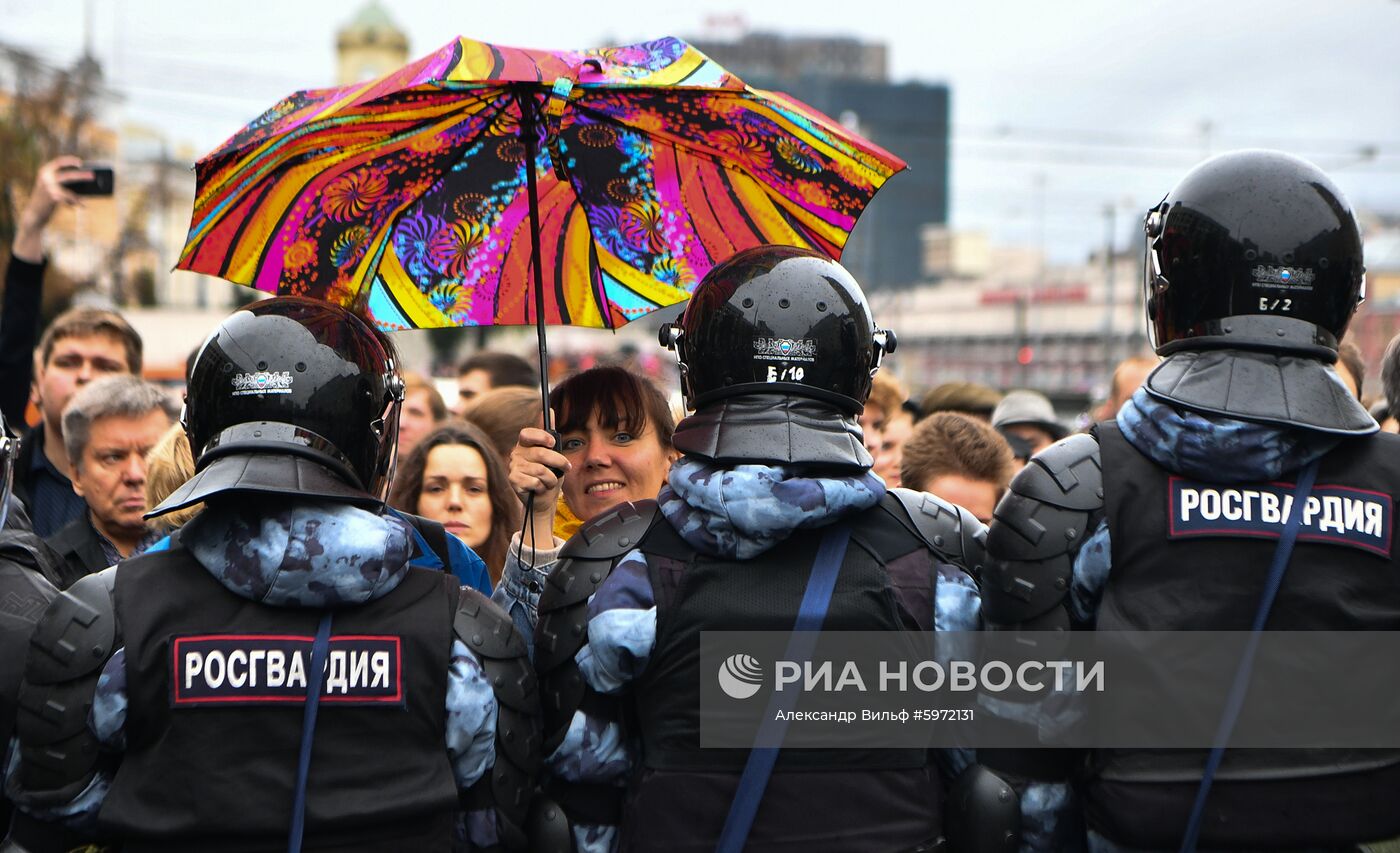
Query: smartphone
x=100, y=184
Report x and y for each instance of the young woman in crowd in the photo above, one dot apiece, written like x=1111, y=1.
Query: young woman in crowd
x=615, y=429
x=454, y=476
x=423, y=411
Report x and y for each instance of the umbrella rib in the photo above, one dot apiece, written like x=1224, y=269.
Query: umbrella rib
x=744, y=210
x=714, y=214
x=559, y=296
x=498, y=61
x=372, y=272
x=696, y=70
x=238, y=233
x=595, y=271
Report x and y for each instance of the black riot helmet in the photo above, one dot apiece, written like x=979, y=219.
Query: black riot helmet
x=1253, y=271
x=1253, y=250
x=292, y=396
x=778, y=319
x=775, y=342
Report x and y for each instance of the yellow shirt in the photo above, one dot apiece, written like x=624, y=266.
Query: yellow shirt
x=566, y=524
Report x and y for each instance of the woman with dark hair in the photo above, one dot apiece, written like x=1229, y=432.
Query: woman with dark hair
x=455, y=477
x=615, y=430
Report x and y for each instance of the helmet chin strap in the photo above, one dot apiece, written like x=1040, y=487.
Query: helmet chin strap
x=388, y=430
x=387, y=484
x=672, y=338
x=9, y=449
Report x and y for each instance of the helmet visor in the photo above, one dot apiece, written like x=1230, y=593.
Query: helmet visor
x=9, y=449
x=1153, y=282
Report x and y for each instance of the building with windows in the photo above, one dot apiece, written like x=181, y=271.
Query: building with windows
x=369, y=46
x=848, y=80
x=1002, y=317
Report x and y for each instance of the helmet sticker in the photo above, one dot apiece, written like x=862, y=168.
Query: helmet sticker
x=784, y=349
x=262, y=382
x=1283, y=278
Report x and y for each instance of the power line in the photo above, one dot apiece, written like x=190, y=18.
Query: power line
x=1140, y=160
x=1054, y=145
x=1157, y=140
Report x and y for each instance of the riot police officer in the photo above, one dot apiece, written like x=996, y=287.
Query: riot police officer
x=280, y=674
x=1254, y=269
x=12, y=514
x=30, y=575
x=777, y=349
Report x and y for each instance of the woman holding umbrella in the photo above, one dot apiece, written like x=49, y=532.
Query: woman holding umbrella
x=615, y=445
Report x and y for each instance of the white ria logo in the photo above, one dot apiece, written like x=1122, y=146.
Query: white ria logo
x=740, y=676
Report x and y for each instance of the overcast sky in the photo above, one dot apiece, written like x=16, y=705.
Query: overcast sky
x=1059, y=108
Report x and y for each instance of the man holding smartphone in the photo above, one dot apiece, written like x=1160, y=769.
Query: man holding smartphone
x=24, y=280
x=42, y=476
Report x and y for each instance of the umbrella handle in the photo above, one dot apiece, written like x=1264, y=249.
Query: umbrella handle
x=558, y=443
x=528, y=124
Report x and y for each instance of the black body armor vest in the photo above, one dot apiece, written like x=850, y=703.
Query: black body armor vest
x=214, y=720
x=1189, y=555
x=832, y=800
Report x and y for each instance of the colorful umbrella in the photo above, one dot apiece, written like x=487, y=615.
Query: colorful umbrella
x=409, y=195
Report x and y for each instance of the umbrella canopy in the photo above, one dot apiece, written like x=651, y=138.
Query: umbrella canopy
x=410, y=194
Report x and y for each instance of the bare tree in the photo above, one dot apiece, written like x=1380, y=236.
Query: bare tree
x=44, y=112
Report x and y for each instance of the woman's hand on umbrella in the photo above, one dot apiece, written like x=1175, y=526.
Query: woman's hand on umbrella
x=533, y=463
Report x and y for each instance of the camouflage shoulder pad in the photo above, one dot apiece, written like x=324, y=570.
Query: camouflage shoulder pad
x=488, y=631
x=584, y=563
x=1052, y=506
x=950, y=531
x=73, y=641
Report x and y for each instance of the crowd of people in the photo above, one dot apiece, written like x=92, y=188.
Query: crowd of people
x=529, y=601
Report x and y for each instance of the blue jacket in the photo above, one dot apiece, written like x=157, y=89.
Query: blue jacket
x=466, y=565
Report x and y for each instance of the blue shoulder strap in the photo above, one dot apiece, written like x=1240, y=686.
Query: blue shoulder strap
x=314, y=681
x=1234, y=701
x=810, y=615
